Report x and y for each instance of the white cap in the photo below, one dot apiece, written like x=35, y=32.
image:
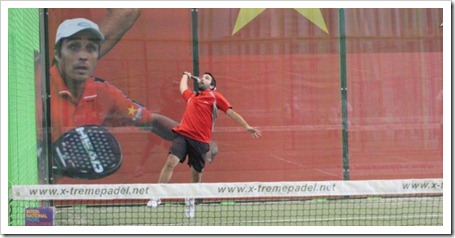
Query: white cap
x=72, y=26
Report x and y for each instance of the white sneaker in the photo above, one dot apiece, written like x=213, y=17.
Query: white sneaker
x=190, y=207
x=154, y=203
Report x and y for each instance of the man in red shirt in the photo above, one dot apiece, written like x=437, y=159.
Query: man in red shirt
x=78, y=98
x=195, y=130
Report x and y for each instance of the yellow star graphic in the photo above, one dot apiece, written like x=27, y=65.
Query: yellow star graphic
x=246, y=15
x=132, y=110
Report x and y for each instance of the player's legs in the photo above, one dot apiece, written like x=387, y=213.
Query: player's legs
x=168, y=168
x=196, y=177
x=197, y=155
x=177, y=154
x=190, y=203
x=190, y=207
x=165, y=176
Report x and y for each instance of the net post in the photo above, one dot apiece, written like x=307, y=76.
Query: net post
x=344, y=95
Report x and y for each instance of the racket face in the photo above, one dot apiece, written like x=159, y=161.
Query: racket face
x=87, y=152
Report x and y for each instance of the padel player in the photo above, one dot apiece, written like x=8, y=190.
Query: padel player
x=195, y=130
x=78, y=98
x=114, y=26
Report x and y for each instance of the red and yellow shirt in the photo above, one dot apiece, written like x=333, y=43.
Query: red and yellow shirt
x=198, y=118
x=100, y=104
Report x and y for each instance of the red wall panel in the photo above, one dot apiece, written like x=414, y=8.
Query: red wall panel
x=282, y=74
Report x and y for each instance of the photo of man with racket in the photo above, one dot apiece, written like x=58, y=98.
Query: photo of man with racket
x=194, y=132
x=80, y=103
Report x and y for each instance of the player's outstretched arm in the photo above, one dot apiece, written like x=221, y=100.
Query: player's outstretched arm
x=116, y=23
x=162, y=126
x=239, y=119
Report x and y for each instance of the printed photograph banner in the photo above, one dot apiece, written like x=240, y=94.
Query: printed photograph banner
x=335, y=92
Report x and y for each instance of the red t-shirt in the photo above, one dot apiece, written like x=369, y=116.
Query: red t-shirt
x=100, y=104
x=198, y=118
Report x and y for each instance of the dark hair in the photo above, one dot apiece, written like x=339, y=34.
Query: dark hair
x=213, y=83
x=58, y=51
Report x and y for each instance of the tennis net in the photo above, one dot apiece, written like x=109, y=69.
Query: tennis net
x=415, y=202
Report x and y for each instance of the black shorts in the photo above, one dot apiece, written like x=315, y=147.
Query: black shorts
x=196, y=150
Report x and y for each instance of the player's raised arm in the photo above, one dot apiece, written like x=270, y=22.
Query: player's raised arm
x=239, y=119
x=116, y=23
x=184, y=82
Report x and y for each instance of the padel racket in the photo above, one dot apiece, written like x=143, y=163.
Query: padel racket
x=87, y=152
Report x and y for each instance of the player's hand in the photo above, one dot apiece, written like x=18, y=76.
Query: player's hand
x=256, y=133
x=187, y=74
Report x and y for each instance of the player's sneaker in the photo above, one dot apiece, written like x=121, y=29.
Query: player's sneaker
x=154, y=203
x=190, y=207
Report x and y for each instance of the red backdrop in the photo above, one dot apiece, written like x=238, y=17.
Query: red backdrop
x=282, y=74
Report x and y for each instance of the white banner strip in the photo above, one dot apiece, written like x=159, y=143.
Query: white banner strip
x=227, y=190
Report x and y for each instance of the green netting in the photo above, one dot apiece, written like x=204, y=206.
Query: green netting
x=23, y=41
